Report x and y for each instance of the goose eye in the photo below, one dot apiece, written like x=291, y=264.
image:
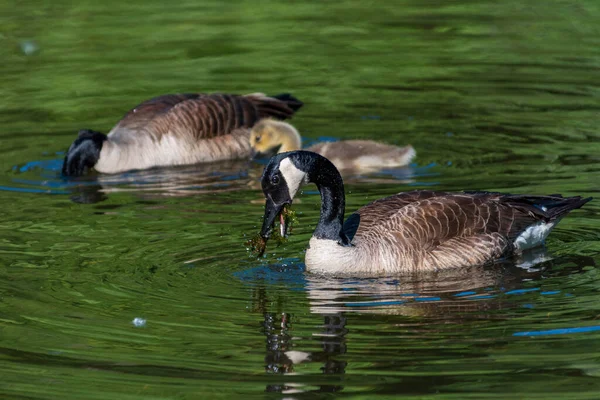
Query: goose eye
x=275, y=180
x=257, y=139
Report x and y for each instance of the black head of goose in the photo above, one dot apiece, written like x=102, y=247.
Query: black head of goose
x=177, y=129
x=407, y=232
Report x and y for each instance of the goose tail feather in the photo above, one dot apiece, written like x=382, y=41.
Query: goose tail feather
x=289, y=100
x=550, y=207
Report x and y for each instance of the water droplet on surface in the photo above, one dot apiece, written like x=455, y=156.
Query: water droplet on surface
x=29, y=47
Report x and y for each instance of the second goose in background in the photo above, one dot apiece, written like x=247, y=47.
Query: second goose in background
x=177, y=129
x=269, y=136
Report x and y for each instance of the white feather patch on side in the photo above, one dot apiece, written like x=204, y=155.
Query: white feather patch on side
x=293, y=176
x=125, y=151
x=534, y=235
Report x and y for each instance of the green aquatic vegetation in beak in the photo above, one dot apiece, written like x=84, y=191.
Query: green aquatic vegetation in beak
x=287, y=219
x=257, y=244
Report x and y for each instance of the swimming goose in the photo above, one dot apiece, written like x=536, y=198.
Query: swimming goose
x=357, y=155
x=177, y=129
x=408, y=232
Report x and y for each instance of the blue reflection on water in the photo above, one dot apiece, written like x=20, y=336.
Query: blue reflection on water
x=550, y=292
x=30, y=190
x=375, y=303
x=428, y=299
x=461, y=294
x=50, y=179
x=46, y=165
x=521, y=291
x=560, y=331
x=289, y=273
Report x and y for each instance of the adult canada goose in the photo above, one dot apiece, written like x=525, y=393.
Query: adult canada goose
x=407, y=232
x=358, y=155
x=177, y=129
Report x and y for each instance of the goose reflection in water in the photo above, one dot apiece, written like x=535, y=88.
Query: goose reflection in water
x=448, y=297
x=191, y=180
x=281, y=356
x=45, y=177
x=179, y=181
x=167, y=182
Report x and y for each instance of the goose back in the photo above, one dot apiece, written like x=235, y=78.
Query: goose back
x=200, y=116
x=427, y=230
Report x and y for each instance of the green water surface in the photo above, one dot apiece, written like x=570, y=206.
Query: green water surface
x=493, y=96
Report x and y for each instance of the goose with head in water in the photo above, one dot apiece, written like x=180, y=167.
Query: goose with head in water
x=177, y=129
x=407, y=232
x=270, y=135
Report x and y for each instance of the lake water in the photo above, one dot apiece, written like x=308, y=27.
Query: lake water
x=139, y=285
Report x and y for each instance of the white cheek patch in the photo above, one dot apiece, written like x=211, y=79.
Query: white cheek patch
x=292, y=175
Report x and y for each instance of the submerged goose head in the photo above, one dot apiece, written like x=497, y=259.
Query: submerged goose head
x=84, y=153
x=270, y=136
x=408, y=232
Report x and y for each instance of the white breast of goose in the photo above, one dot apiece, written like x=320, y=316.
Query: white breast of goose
x=328, y=257
x=138, y=151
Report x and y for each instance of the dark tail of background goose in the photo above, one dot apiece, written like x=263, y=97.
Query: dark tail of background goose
x=289, y=100
x=281, y=106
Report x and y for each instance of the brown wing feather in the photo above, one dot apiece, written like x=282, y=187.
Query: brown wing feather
x=139, y=116
x=473, y=250
x=200, y=116
x=439, y=217
x=438, y=229
x=381, y=210
x=445, y=215
x=435, y=230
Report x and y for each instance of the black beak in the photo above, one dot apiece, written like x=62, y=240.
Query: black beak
x=272, y=211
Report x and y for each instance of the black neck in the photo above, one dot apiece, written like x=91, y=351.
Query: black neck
x=330, y=185
x=84, y=153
